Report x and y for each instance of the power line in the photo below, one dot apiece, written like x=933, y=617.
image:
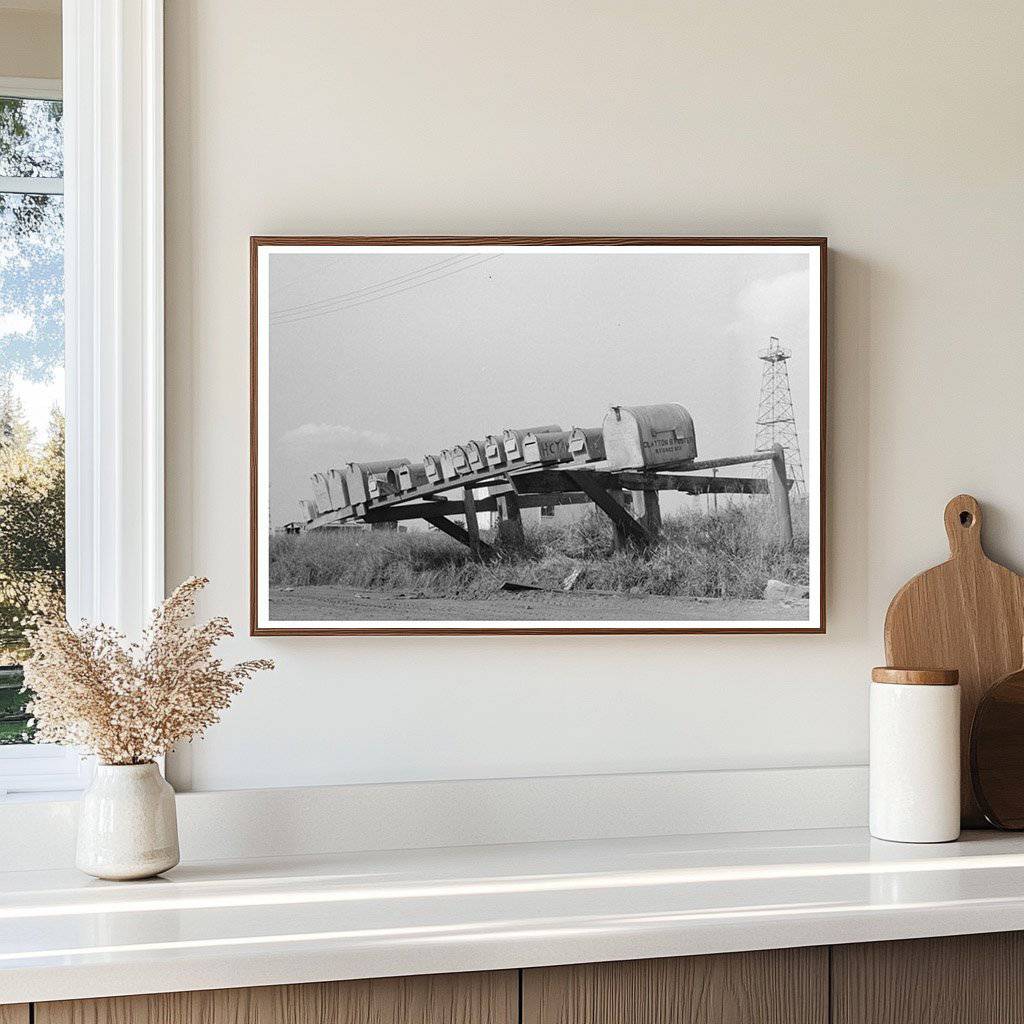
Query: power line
x=337, y=301
x=383, y=295
x=303, y=307
x=389, y=294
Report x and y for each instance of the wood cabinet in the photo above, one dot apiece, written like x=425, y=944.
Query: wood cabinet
x=479, y=998
x=969, y=979
x=777, y=986
x=963, y=979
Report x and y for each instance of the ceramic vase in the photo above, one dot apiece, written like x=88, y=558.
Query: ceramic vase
x=127, y=826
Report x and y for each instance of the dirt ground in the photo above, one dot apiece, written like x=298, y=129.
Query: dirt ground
x=348, y=604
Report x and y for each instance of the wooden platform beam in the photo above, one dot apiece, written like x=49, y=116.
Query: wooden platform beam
x=553, y=481
x=425, y=508
x=535, y=487
x=693, y=484
x=728, y=460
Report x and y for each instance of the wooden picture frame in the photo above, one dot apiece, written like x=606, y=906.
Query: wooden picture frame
x=383, y=506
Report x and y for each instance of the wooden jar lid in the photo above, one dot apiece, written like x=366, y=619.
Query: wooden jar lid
x=916, y=676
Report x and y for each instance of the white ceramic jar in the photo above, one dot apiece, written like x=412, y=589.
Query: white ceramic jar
x=915, y=755
x=127, y=825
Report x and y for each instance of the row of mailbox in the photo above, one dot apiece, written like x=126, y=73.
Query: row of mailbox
x=631, y=437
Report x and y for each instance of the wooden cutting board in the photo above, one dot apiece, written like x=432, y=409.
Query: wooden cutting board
x=967, y=614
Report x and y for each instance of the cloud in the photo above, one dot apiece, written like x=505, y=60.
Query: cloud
x=38, y=400
x=316, y=434
x=774, y=305
x=15, y=322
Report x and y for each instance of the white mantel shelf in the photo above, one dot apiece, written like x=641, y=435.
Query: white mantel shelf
x=274, y=921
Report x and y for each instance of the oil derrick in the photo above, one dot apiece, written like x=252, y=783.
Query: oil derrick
x=776, y=423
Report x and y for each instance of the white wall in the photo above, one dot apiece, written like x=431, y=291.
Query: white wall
x=895, y=129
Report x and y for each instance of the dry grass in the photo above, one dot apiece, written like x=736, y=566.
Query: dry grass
x=729, y=554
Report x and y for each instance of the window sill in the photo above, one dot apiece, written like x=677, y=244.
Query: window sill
x=41, y=771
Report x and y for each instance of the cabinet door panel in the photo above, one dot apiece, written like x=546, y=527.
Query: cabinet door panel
x=14, y=1013
x=961, y=979
x=480, y=998
x=779, y=986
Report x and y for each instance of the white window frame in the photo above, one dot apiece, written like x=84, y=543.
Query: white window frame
x=31, y=88
x=114, y=329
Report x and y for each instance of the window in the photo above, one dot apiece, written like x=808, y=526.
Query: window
x=31, y=402
x=111, y=158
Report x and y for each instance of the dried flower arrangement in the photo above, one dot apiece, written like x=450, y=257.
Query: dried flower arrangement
x=129, y=703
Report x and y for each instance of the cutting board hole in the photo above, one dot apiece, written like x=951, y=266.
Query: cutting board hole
x=966, y=519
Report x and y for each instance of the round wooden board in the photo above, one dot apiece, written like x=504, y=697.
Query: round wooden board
x=997, y=753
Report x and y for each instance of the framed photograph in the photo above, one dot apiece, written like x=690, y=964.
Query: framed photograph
x=537, y=435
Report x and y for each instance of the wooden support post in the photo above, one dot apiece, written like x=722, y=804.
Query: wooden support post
x=779, y=490
x=510, y=521
x=620, y=539
x=456, y=532
x=472, y=523
x=647, y=509
x=610, y=502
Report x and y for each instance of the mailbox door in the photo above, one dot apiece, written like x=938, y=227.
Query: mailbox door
x=357, y=484
x=494, y=450
x=432, y=468
x=321, y=495
x=475, y=455
x=448, y=470
x=336, y=489
x=411, y=477
x=546, y=448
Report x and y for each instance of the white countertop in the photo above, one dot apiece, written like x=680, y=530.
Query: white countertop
x=283, y=920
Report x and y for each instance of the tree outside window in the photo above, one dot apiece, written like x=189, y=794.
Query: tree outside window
x=31, y=384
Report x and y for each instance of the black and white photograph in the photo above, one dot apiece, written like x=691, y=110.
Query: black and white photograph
x=550, y=435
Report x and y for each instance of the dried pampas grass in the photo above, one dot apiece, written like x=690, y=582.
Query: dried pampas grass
x=129, y=703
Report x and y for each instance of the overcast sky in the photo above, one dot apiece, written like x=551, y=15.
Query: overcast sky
x=401, y=354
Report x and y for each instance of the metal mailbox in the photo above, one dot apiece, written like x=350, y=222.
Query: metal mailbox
x=408, y=478
x=546, y=447
x=515, y=440
x=358, y=477
x=586, y=444
x=379, y=486
x=321, y=494
x=448, y=468
x=432, y=468
x=337, y=489
x=460, y=457
x=494, y=450
x=475, y=456
x=308, y=509
x=648, y=437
